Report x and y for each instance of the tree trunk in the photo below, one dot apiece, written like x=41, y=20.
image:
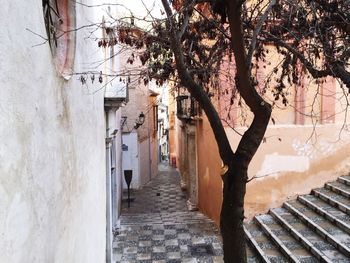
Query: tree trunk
x=235, y=178
x=232, y=213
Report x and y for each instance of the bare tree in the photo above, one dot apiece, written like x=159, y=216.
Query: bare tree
x=179, y=47
x=189, y=46
x=313, y=33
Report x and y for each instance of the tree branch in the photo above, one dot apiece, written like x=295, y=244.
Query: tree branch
x=252, y=138
x=312, y=70
x=257, y=31
x=197, y=91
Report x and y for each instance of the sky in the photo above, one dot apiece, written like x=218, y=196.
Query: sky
x=139, y=7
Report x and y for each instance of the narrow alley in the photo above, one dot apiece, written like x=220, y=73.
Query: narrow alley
x=158, y=228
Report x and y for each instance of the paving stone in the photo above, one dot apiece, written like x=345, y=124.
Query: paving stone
x=171, y=242
x=218, y=259
x=173, y=255
x=159, y=229
x=130, y=250
x=159, y=249
x=198, y=240
x=158, y=237
x=117, y=257
x=145, y=243
x=183, y=248
x=184, y=236
x=144, y=250
x=143, y=256
x=170, y=232
x=189, y=260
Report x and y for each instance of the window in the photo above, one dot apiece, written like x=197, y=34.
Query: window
x=59, y=16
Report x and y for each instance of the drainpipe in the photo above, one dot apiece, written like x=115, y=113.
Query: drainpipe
x=149, y=151
x=109, y=232
x=112, y=131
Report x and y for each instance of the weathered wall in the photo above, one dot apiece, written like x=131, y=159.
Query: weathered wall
x=145, y=165
x=290, y=165
x=209, y=163
x=52, y=153
x=153, y=125
x=140, y=101
x=297, y=154
x=173, y=151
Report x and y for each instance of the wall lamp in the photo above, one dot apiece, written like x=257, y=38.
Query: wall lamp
x=140, y=120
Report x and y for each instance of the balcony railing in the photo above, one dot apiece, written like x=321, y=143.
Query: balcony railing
x=187, y=107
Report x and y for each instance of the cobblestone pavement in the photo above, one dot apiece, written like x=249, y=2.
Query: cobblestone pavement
x=158, y=228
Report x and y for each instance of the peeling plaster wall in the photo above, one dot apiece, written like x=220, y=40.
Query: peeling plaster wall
x=52, y=151
x=289, y=165
x=292, y=161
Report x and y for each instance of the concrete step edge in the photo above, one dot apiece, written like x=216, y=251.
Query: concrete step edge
x=304, y=241
x=256, y=246
x=337, y=190
x=331, y=201
x=335, y=242
x=342, y=225
x=277, y=241
x=344, y=180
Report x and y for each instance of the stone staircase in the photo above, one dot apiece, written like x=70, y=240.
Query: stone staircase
x=313, y=228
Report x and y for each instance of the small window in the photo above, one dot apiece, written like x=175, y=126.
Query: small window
x=59, y=16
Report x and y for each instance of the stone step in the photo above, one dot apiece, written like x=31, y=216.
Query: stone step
x=332, y=234
x=337, y=210
x=334, y=199
x=321, y=249
x=253, y=245
x=252, y=256
x=285, y=242
x=262, y=244
x=339, y=188
x=344, y=180
x=346, y=176
x=332, y=214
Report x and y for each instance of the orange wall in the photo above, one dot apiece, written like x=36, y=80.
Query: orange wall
x=325, y=161
x=316, y=154
x=295, y=157
x=172, y=126
x=209, y=163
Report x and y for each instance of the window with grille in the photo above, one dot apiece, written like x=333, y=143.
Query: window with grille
x=59, y=17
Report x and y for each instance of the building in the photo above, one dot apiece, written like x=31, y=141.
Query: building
x=60, y=160
x=312, y=228
x=139, y=117
x=139, y=139
x=306, y=144
x=163, y=125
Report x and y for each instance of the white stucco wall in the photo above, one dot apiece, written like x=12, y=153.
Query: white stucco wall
x=52, y=150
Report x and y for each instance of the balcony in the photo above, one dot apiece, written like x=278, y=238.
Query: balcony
x=116, y=93
x=187, y=108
